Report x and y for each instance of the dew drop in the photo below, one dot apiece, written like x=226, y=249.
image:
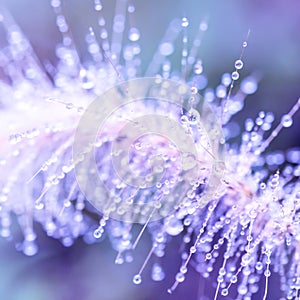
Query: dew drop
x=97, y=234
x=238, y=64
x=69, y=105
x=235, y=75
x=184, y=22
x=194, y=90
x=137, y=279
x=39, y=205
x=193, y=249
x=224, y=292
x=131, y=8
x=249, y=85
x=166, y=49
x=193, y=116
x=286, y=121
x=133, y=34
x=184, y=120
x=180, y=277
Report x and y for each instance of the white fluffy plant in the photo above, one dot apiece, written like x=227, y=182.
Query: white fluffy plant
x=250, y=223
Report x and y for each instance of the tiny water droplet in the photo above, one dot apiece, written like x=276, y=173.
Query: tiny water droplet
x=184, y=22
x=69, y=105
x=137, y=279
x=238, y=64
x=286, y=121
x=235, y=75
x=133, y=34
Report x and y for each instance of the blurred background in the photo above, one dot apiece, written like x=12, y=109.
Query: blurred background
x=88, y=271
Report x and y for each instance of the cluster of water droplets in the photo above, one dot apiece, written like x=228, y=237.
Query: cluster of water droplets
x=251, y=225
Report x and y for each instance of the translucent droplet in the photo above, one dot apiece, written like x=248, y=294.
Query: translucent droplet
x=69, y=105
x=235, y=75
x=166, y=48
x=245, y=44
x=184, y=22
x=157, y=273
x=224, y=292
x=198, y=68
x=39, y=205
x=194, y=90
x=97, y=233
x=238, y=64
x=203, y=26
x=184, y=119
x=249, y=85
x=137, y=279
x=131, y=8
x=193, y=249
x=226, y=79
x=242, y=289
x=286, y=121
x=29, y=248
x=259, y=266
x=180, y=277
x=133, y=34
x=208, y=256
x=262, y=186
x=193, y=116
x=97, y=5
x=267, y=273
x=173, y=226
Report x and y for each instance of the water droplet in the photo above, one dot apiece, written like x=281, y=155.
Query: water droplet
x=208, y=256
x=238, y=64
x=203, y=26
x=133, y=34
x=242, y=289
x=249, y=85
x=39, y=205
x=69, y=105
x=245, y=44
x=194, y=90
x=180, y=277
x=226, y=79
x=97, y=5
x=267, y=273
x=173, y=226
x=235, y=75
x=193, y=249
x=184, y=119
x=259, y=266
x=286, y=121
x=184, y=22
x=157, y=273
x=224, y=292
x=137, y=279
x=131, y=8
x=97, y=233
x=166, y=49
x=198, y=68
x=193, y=116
